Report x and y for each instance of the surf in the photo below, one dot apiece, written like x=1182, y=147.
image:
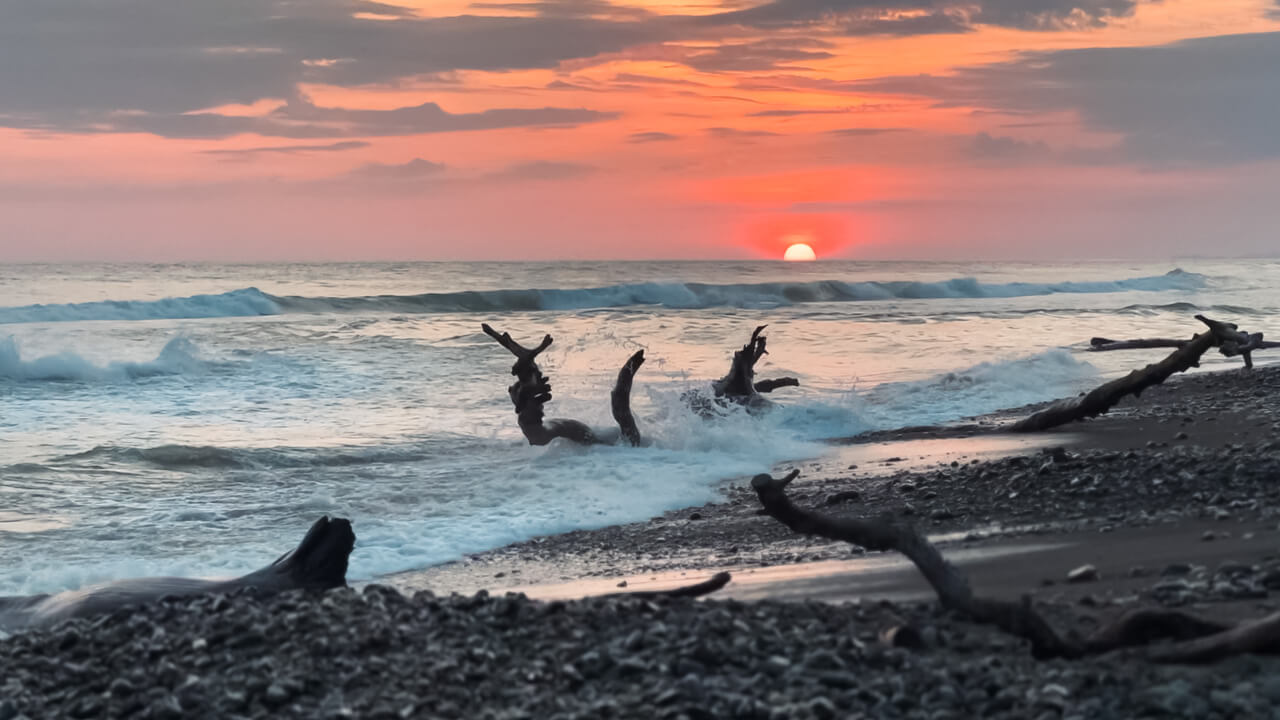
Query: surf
x=250, y=302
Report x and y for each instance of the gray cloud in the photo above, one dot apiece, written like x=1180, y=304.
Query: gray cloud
x=137, y=65
x=918, y=17
x=566, y=8
x=864, y=132
x=728, y=133
x=300, y=118
x=288, y=149
x=1198, y=102
x=757, y=55
x=415, y=169
x=649, y=137
x=545, y=170
x=1003, y=148
x=796, y=113
x=65, y=64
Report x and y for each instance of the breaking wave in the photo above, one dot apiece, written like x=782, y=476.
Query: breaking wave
x=178, y=357
x=252, y=301
x=191, y=457
x=984, y=388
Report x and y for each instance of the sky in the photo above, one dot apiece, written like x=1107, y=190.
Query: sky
x=285, y=130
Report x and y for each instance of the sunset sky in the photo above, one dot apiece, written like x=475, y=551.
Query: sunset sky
x=164, y=130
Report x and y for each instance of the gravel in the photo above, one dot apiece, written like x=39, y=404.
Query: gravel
x=379, y=654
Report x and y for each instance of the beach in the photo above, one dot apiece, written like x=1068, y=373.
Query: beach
x=1172, y=497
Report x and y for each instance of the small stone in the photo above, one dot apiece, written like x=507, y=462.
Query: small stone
x=776, y=665
x=622, y=584
x=1082, y=574
x=1208, y=536
x=1175, y=569
x=822, y=708
x=276, y=695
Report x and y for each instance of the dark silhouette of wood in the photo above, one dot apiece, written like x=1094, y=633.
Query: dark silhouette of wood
x=1195, y=640
x=705, y=587
x=532, y=391
x=620, y=399
x=1104, y=397
x=319, y=562
x=1244, y=346
x=739, y=384
x=768, y=386
x=1101, y=344
x=951, y=585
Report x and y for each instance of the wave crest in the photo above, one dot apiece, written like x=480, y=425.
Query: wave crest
x=681, y=296
x=178, y=357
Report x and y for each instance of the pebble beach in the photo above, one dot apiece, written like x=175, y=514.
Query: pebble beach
x=1196, y=461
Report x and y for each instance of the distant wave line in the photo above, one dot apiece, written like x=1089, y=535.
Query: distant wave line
x=248, y=302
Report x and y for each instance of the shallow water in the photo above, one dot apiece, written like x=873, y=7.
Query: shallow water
x=195, y=419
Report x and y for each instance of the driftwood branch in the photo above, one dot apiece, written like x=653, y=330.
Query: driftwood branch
x=768, y=386
x=620, y=399
x=951, y=585
x=739, y=384
x=1104, y=397
x=1195, y=640
x=705, y=587
x=1243, y=346
x=532, y=391
x=1101, y=344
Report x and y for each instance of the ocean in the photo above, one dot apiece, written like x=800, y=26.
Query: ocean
x=196, y=419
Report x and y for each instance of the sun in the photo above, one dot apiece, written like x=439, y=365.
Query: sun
x=799, y=252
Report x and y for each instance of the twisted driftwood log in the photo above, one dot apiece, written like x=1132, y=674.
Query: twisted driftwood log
x=1102, y=398
x=1195, y=640
x=740, y=384
x=1244, y=346
x=532, y=390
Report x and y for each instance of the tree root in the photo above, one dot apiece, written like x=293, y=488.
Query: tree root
x=1104, y=397
x=1195, y=640
x=532, y=391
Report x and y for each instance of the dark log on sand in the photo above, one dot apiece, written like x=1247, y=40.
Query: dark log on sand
x=739, y=384
x=1254, y=342
x=1104, y=397
x=532, y=390
x=951, y=585
x=705, y=587
x=1195, y=640
x=319, y=562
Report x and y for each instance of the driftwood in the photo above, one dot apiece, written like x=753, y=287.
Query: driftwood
x=705, y=587
x=532, y=390
x=1195, y=640
x=1104, y=397
x=739, y=384
x=1243, y=347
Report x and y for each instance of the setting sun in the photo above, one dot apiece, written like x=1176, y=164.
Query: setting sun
x=799, y=252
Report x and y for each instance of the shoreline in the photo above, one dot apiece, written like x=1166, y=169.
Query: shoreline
x=1189, y=434
x=1173, y=499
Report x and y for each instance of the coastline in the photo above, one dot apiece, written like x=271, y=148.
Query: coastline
x=1209, y=438
x=1173, y=499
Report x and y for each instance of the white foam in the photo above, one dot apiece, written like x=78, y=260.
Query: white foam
x=179, y=356
x=983, y=388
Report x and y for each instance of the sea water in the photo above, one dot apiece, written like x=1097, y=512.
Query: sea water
x=196, y=419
